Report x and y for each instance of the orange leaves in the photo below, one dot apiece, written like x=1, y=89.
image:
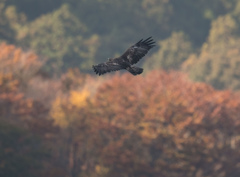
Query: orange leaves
x=160, y=124
x=22, y=65
x=12, y=57
x=168, y=97
x=12, y=101
x=8, y=83
x=16, y=68
x=182, y=118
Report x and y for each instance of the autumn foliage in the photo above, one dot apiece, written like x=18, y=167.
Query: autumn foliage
x=158, y=125
x=170, y=126
x=16, y=69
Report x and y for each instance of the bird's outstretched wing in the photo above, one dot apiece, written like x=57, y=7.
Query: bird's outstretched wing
x=138, y=50
x=109, y=66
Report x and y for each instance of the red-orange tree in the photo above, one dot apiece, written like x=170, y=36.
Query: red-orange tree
x=165, y=125
x=26, y=132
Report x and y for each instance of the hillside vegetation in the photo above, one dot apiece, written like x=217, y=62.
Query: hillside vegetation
x=180, y=118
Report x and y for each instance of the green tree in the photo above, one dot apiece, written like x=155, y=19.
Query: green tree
x=105, y=28
x=172, y=53
x=194, y=18
x=59, y=37
x=6, y=32
x=34, y=8
x=218, y=62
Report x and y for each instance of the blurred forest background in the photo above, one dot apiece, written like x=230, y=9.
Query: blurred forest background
x=181, y=118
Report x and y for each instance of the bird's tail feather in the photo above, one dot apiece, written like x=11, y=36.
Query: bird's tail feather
x=135, y=70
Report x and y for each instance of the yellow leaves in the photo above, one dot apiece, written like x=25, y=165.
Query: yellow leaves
x=66, y=110
x=79, y=99
x=101, y=170
x=221, y=28
x=57, y=113
x=149, y=130
x=189, y=62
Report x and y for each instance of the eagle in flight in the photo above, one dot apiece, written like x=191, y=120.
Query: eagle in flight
x=125, y=61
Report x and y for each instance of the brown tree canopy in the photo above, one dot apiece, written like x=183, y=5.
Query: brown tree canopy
x=161, y=124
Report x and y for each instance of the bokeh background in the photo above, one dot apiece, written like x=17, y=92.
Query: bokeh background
x=180, y=118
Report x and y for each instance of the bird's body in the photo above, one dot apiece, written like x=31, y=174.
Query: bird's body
x=125, y=61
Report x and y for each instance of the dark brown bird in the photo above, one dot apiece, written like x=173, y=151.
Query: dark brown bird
x=125, y=61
